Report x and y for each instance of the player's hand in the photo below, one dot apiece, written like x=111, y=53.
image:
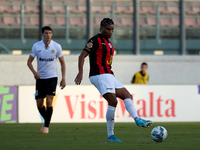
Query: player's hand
x=78, y=78
x=62, y=84
x=36, y=75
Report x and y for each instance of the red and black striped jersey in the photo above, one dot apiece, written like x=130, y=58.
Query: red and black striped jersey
x=101, y=52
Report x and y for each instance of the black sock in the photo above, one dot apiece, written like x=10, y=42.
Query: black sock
x=42, y=112
x=48, y=116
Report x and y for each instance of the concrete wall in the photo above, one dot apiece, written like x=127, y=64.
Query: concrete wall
x=162, y=69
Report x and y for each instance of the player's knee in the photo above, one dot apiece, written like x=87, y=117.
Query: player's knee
x=40, y=105
x=113, y=102
x=49, y=101
x=49, y=104
x=111, y=98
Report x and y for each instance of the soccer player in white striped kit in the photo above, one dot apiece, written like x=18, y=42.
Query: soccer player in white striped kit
x=47, y=52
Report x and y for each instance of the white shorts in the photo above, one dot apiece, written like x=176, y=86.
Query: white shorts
x=105, y=83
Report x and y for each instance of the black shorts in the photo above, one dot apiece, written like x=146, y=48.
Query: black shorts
x=45, y=87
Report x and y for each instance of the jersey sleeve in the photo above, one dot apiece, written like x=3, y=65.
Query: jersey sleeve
x=92, y=45
x=33, y=51
x=59, y=53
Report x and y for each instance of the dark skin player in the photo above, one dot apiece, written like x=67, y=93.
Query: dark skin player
x=122, y=93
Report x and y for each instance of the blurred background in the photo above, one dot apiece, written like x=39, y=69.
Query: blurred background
x=163, y=33
x=154, y=27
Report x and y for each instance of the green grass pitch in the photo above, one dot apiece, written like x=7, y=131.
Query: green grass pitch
x=92, y=136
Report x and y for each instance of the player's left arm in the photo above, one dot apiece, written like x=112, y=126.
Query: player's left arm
x=63, y=70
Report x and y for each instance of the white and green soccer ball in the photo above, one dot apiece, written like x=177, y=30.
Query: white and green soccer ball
x=159, y=134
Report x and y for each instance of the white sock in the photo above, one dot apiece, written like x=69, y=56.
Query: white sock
x=130, y=108
x=110, y=115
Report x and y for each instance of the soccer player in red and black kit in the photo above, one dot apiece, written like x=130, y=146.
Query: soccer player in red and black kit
x=100, y=51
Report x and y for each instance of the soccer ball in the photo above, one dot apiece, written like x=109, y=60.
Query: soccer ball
x=159, y=134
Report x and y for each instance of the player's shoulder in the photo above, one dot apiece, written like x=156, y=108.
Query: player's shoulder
x=138, y=73
x=55, y=43
x=95, y=37
x=38, y=43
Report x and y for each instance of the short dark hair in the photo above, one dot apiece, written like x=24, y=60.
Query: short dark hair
x=107, y=21
x=144, y=64
x=46, y=28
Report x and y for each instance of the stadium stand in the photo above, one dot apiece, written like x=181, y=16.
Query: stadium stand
x=146, y=8
x=15, y=7
x=31, y=21
x=31, y=6
x=55, y=16
x=147, y=12
x=11, y=21
x=172, y=10
x=78, y=22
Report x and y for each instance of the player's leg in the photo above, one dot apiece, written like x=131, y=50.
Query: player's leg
x=41, y=107
x=49, y=111
x=110, y=114
x=39, y=96
x=126, y=97
x=42, y=110
x=105, y=86
x=123, y=93
x=51, y=89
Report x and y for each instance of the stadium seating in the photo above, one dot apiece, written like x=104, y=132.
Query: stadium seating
x=151, y=22
x=175, y=22
x=5, y=8
x=1, y=22
x=50, y=21
x=60, y=21
x=192, y=8
x=120, y=8
x=79, y=8
x=191, y=22
x=99, y=7
x=31, y=7
x=143, y=22
x=146, y=8
x=80, y=22
x=55, y=7
x=96, y=21
x=11, y=21
x=165, y=22
x=31, y=21
x=127, y=22
x=118, y=22
x=169, y=11
x=15, y=7
x=162, y=7
x=172, y=7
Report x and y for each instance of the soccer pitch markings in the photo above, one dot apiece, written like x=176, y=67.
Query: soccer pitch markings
x=92, y=136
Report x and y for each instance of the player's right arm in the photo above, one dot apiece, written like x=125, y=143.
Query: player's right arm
x=30, y=60
x=90, y=48
x=29, y=64
x=81, y=60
